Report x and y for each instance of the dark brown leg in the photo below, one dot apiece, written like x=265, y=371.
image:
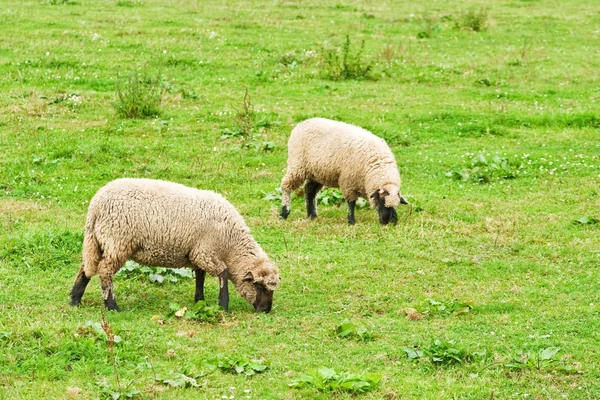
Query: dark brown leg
x=224, y=290
x=310, y=192
x=107, y=269
x=200, y=275
x=351, y=205
x=81, y=282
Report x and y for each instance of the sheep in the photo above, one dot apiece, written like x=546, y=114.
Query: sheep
x=323, y=152
x=166, y=224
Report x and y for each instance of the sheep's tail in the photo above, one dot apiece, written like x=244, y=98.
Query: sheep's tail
x=91, y=248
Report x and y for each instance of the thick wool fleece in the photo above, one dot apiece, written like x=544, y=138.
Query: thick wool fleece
x=166, y=224
x=337, y=154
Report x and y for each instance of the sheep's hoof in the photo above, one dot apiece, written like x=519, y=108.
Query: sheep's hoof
x=111, y=305
x=284, y=212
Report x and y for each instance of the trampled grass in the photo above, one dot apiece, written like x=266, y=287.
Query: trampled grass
x=495, y=133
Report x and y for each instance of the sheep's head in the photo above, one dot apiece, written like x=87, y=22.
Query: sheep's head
x=258, y=284
x=386, y=200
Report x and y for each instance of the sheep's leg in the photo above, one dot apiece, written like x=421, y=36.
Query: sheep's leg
x=106, y=271
x=200, y=275
x=81, y=282
x=351, y=205
x=224, y=290
x=310, y=193
x=289, y=183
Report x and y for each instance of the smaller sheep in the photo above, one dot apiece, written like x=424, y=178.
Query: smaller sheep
x=166, y=224
x=322, y=152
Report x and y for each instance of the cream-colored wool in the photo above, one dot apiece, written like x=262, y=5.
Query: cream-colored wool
x=337, y=154
x=166, y=224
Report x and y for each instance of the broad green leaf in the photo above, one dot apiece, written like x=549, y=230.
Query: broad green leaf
x=326, y=373
x=413, y=353
x=345, y=329
x=373, y=378
x=211, y=367
x=184, y=272
x=548, y=353
x=200, y=305
x=462, y=310
x=587, y=220
x=257, y=365
x=131, y=392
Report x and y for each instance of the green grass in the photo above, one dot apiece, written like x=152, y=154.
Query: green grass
x=499, y=235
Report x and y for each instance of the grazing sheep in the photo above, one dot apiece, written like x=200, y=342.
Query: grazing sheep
x=323, y=152
x=166, y=224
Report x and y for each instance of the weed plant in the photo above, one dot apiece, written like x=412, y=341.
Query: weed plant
x=201, y=311
x=475, y=20
x=139, y=96
x=544, y=359
x=328, y=380
x=349, y=330
x=442, y=353
x=346, y=63
x=154, y=274
x=235, y=364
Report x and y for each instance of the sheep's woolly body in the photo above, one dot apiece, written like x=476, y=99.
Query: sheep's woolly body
x=167, y=224
x=341, y=155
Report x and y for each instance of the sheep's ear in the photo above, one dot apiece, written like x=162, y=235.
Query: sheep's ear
x=249, y=277
x=375, y=195
x=403, y=200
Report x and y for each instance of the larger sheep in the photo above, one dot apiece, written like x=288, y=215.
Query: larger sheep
x=166, y=224
x=322, y=152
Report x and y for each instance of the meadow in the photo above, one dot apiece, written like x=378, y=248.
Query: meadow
x=487, y=288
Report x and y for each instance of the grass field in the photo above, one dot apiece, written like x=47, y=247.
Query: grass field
x=492, y=112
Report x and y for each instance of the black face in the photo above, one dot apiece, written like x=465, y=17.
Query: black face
x=386, y=214
x=264, y=298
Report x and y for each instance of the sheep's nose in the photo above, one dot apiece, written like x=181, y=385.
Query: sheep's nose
x=263, y=308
